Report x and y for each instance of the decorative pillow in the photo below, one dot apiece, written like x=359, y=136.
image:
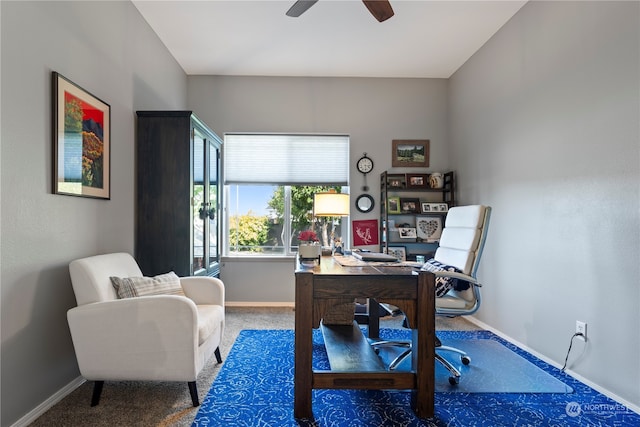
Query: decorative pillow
x=445, y=284
x=163, y=284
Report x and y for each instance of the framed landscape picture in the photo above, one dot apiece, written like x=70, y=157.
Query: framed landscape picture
x=81, y=141
x=410, y=153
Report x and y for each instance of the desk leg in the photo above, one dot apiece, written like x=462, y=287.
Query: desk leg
x=303, y=347
x=374, y=318
x=423, y=360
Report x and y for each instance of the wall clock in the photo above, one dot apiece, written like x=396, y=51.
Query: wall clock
x=364, y=165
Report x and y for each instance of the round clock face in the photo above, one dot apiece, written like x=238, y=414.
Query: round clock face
x=365, y=165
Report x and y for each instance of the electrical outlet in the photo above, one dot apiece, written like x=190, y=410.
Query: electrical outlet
x=581, y=328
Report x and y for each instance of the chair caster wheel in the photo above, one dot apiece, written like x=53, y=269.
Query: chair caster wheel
x=465, y=360
x=454, y=380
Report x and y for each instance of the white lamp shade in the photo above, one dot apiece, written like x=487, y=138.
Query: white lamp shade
x=330, y=204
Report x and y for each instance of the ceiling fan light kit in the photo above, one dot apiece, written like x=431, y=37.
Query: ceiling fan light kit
x=380, y=9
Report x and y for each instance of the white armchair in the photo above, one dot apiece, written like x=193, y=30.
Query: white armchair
x=146, y=338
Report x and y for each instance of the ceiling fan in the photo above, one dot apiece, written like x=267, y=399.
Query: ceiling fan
x=380, y=9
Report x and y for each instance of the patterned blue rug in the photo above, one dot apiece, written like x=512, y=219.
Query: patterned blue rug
x=255, y=388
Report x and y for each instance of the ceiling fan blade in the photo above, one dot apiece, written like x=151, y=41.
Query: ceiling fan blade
x=380, y=9
x=300, y=7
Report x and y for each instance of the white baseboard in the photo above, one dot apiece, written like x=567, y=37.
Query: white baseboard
x=32, y=415
x=600, y=389
x=258, y=304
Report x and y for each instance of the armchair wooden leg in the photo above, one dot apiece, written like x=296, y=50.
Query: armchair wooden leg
x=193, y=390
x=218, y=357
x=97, y=391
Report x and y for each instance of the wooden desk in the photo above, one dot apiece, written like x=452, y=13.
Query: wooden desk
x=320, y=287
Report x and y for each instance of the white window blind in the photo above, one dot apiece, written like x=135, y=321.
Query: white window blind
x=286, y=159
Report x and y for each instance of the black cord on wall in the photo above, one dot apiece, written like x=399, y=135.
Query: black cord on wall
x=577, y=334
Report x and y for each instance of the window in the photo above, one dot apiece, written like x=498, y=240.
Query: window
x=270, y=181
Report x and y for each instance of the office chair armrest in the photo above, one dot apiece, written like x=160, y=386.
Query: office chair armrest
x=459, y=276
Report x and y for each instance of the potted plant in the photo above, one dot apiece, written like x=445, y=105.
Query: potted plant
x=309, y=247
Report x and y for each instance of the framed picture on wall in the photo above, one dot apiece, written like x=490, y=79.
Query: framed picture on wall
x=410, y=153
x=81, y=141
x=365, y=232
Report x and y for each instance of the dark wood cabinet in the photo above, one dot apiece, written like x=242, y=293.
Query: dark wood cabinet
x=177, y=194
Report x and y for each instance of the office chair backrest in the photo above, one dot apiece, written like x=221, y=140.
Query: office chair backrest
x=463, y=237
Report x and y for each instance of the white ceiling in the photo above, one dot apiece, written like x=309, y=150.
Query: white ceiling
x=332, y=38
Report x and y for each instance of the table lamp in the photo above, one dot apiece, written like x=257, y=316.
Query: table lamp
x=331, y=204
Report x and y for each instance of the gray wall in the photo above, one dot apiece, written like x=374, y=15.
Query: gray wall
x=542, y=124
x=107, y=48
x=544, y=127
x=372, y=111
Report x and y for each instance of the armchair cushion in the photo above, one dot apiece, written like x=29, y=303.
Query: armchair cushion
x=445, y=284
x=163, y=284
x=210, y=317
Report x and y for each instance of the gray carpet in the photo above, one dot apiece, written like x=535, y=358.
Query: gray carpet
x=169, y=404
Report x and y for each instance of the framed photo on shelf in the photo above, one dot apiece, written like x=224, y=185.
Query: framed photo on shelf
x=433, y=207
x=407, y=233
x=399, y=252
x=410, y=153
x=394, y=205
x=409, y=205
x=417, y=180
x=396, y=181
x=429, y=228
x=81, y=141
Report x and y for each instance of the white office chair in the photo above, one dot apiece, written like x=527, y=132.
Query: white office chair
x=461, y=246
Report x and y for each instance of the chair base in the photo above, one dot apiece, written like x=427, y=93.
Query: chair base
x=454, y=377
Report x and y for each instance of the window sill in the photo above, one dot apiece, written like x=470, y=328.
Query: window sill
x=283, y=258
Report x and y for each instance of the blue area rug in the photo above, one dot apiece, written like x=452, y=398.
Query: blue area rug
x=255, y=388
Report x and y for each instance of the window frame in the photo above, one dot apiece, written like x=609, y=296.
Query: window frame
x=340, y=180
